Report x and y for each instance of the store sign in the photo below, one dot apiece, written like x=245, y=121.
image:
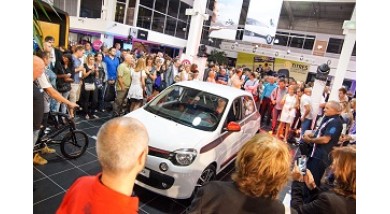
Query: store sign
x=225, y=18
x=142, y=34
x=262, y=21
x=297, y=70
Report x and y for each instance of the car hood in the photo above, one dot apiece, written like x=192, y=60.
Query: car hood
x=166, y=134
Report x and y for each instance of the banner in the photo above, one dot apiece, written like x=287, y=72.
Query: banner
x=262, y=21
x=225, y=18
x=253, y=61
x=297, y=70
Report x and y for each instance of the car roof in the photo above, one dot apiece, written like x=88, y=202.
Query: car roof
x=217, y=89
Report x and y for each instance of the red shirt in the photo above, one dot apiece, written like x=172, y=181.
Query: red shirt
x=89, y=196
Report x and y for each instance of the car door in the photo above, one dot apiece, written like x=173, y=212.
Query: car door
x=228, y=148
x=250, y=123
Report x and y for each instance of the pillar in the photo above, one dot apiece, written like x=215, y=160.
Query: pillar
x=345, y=56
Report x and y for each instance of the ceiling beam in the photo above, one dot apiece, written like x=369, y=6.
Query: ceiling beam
x=289, y=13
x=338, y=1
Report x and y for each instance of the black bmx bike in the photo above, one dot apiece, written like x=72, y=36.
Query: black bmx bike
x=62, y=130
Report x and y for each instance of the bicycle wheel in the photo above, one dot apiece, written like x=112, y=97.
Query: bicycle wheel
x=74, y=144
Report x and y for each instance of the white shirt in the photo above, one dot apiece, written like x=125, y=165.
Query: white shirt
x=306, y=100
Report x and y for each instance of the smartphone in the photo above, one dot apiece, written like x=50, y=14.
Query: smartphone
x=301, y=162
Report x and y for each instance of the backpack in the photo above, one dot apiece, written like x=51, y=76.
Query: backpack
x=157, y=81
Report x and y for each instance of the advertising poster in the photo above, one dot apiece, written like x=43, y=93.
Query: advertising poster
x=262, y=20
x=253, y=61
x=224, y=21
x=297, y=70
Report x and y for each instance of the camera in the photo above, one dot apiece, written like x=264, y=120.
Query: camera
x=322, y=72
x=301, y=162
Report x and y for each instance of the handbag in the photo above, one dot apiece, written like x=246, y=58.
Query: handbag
x=89, y=86
x=63, y=86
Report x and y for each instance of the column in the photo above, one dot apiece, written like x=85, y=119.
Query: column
x=195, y=31
x=345, y=56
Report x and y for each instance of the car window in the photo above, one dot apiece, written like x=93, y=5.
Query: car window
x=189, y=107
x=248, y=106
x=235, y=111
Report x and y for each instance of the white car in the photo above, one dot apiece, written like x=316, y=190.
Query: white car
x=195, y=130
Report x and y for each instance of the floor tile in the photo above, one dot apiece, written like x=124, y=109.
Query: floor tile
x=55, y=165
x=144, y=195
x=83, y=159
x=50, y=205
x=45, y=188
x=92, y=168
x=66, y=179
x=163, y=205
x=97, y=123
x=83, y=125
x=37, y=175
x=92, y=151
x=91, y=131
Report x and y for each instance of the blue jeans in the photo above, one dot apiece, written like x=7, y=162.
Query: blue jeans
x=306, y=125
x=56, y=107
x=35, y=136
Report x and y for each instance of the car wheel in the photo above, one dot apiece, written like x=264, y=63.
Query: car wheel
x=269, y=39
x=209, y=174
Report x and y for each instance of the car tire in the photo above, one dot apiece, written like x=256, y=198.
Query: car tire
x=208, y=174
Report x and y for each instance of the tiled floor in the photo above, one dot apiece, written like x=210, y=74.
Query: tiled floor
x=52, y=180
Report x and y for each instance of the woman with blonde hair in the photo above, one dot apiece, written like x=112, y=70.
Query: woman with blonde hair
x=262, y=170
x=337, y=199
x=137, y=86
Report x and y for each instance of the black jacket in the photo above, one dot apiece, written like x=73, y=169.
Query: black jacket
x=225, y=197
x=322, y=201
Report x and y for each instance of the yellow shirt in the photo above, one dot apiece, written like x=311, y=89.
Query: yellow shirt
x=124, y=71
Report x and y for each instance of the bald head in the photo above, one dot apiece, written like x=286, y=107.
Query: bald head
x=307, y=91
x=120, y=144
x=332, y=108
x=38, y=67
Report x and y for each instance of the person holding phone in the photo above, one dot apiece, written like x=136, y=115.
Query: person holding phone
x=336, y=198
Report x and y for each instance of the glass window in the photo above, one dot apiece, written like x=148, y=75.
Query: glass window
x=335, y=45
x=181, y=29
x=91, y=8
x=147, y=3
x=309, y=42
x=158, y=22
x=132, y=3
x=170, y=26
x=189, y=107
x=69, y=6
x=182, y=11
x=123, y=1
x=161, y=6
x=120, y=12
x=144, y=18
x=130, y=12
x=249, y=106
x=173, y=8
x=296, y=40
x=282, y=38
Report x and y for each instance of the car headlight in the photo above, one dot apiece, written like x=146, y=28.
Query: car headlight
x=184, y=157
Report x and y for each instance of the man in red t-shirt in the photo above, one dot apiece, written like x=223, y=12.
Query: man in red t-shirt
x=122, y=147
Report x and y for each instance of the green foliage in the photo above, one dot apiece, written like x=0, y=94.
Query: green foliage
x=218, y=57
x=38, y=8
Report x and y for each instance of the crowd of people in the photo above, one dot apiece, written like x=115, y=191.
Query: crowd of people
x=121, y=81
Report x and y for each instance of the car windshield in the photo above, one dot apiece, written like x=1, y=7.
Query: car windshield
x=189, y=107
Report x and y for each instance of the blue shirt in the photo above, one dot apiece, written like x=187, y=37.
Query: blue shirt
x=112, y=65
x=268, y=88
x=76, y=64
x=330, y=126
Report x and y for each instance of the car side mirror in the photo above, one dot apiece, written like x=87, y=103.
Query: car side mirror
x=232, y=127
